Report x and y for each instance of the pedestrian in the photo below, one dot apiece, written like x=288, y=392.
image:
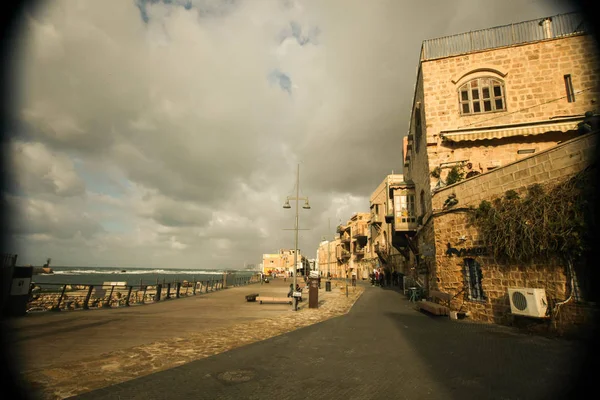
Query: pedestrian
x=377, y=277
x=381, y=279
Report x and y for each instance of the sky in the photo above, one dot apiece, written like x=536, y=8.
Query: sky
x=151, y=133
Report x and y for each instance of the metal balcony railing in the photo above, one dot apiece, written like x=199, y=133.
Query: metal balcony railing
x=502, y=36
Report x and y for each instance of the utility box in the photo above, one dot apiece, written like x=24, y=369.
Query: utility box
x=18, y=297
x=313, y=293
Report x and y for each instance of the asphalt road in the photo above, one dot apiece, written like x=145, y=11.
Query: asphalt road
x=382, y=349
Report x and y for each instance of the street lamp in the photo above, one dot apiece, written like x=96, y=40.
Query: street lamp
x=306, y=206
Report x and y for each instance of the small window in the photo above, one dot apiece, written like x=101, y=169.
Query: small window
x=526, y=151
x=473, y=277
x=569, y=89
x=482, y=95
x=418, y=127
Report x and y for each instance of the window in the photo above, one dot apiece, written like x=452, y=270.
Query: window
x=418, y=127
x=569, y=88
x=482, y=95
x=473, y=276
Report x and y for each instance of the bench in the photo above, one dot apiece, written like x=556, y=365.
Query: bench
x=433, y=307
x=263, y=299
x=252, y=297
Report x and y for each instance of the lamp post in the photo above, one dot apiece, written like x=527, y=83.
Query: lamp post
x=306, y=206
x=351, y=261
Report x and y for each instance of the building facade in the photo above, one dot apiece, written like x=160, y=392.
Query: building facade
x=326, y=256
x=352, y=247
x=381, y=252
x=283, y=262
x=494, y=110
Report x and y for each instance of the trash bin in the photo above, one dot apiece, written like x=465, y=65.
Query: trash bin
x=328, y=286
x=313, y=293
x=18, y=298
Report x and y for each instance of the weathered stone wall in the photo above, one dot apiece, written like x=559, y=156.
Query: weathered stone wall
x=533, y=75
x=551, y=165
x=534, y=80
x=447, y=272
x=447, y=275
x=418, y=169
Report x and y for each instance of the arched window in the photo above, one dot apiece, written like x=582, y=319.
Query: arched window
x=482, y=95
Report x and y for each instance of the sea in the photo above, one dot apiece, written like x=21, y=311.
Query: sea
x=131, y=276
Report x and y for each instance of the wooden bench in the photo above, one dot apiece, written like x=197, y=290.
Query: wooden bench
x=433, y=307
x=287, y=300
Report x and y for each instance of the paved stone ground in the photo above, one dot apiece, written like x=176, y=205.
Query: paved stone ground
x=381, y=349
x=75, y=352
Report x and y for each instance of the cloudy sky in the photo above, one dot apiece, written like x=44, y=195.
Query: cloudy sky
x=167, y=133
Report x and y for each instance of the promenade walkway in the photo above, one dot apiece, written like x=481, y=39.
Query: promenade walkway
x=381, y=349
x=71, y=352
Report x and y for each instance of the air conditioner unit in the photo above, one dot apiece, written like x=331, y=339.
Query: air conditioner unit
x=528, y=302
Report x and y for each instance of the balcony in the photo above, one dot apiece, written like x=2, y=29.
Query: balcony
x=359, y=232
x=375, y=219
x=342, y=254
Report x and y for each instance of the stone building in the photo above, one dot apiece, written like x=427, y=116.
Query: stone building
x=494, y=110
x=381, y=250
x=351, y=249
x=283, y=262
x=326, y=256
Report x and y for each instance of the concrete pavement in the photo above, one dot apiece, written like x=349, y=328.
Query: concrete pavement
x=381, y=349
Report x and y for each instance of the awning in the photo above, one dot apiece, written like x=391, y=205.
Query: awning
x=504, y=131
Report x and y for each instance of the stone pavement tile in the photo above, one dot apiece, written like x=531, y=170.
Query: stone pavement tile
x=381, y=349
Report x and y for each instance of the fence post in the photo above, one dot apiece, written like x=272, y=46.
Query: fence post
x=194, y=289
x=107, y=304
x=87, y=298
x=178, y=287
x=168, y=296
x=144, y=294
x=62, y=293
x=158, y=292
x=128, y=296
x=206, y=287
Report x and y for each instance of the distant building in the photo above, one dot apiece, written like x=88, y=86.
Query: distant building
x=283, y=262
x=381, y=250
x=326, y=256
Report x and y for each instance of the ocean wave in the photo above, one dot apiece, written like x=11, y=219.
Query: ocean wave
x=137, y=272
